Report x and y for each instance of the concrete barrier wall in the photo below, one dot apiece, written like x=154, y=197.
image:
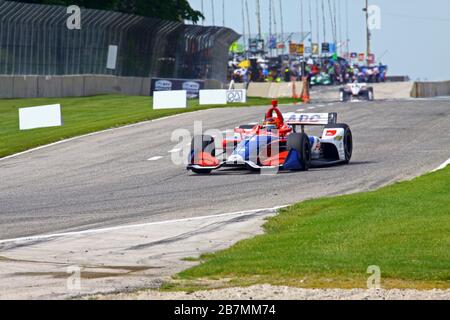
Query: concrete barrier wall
x=393, y=90
x=77, y=86
x=273, y=90
x=431, y=89
x=88, y=85
x=387, y=90
x=239, y=86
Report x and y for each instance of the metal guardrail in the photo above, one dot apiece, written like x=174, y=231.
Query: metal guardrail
x=34, y=40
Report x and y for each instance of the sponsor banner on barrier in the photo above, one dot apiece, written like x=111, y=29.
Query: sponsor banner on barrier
x=40, y=117
x=192, y=87
x=174, y=99
x=237, y=96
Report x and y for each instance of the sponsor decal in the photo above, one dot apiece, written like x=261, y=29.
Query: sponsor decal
x=307, y=118
x=191, y=86
x=236, y=96
x=331, y=133
x=339, y=138
x=318, y=146
x=192, y=89
x=163, y=85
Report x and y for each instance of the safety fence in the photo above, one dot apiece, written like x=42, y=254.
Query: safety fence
x=35, y=40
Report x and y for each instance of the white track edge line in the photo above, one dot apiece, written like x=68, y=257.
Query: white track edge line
x=442, y=166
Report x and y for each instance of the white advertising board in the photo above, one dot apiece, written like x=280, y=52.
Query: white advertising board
x=176, y=99
x=40, y=117
x=213, y=97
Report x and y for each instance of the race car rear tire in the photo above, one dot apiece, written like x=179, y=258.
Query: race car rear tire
x=348, y=139
x=300, y=143
x=202, y=144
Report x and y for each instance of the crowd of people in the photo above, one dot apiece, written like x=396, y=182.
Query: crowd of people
x=320, y=71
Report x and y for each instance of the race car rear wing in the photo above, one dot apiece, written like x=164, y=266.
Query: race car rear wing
x=310, y=119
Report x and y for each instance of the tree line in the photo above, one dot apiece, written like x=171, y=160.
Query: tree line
x=173, y=10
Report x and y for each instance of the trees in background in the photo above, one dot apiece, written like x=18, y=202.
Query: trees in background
x=174, y=10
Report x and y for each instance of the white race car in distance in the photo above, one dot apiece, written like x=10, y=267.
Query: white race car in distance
x=356, y=91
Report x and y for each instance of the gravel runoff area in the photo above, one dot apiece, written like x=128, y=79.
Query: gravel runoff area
x=267, y=292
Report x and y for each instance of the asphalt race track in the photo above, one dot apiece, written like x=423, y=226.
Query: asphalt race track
x=107, y=179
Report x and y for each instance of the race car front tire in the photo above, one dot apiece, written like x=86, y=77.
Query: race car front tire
x=343, y=95
x=300, y=143
x=348, y=139
x=200, y=144
x=370, y=95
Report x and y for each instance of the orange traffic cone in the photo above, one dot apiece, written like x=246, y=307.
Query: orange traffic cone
x=294, y=91
x=305, y=91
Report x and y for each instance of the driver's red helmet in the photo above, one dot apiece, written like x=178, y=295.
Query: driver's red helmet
x=272, y=123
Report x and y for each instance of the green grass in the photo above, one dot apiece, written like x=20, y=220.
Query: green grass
x=330, y=242
x=85, y=115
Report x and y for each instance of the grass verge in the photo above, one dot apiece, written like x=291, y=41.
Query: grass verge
x=330, y=242
x=84, y=115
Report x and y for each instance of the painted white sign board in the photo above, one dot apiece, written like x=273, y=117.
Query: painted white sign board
x=40, y=117
x=213, y=97
x=237, y=96
x=176, y=99
x=112, y=57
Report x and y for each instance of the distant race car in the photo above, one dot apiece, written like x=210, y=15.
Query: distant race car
x=279, y=142
x=321, y=79
x=356, y=91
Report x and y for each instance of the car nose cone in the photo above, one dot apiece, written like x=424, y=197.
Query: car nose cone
x=236, y=159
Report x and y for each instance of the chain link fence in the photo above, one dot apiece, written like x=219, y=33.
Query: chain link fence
x=35, y=40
